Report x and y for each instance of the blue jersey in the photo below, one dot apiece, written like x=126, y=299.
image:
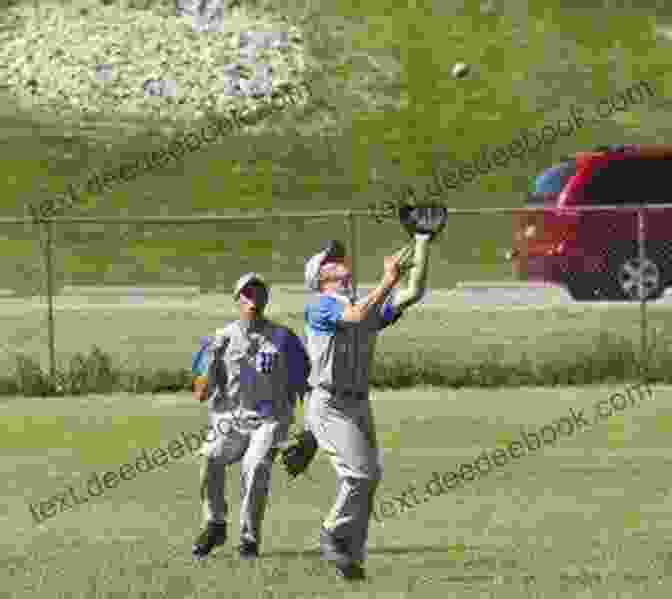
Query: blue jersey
x=263, y=369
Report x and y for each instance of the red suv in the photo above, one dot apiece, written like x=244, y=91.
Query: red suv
x=595, y=254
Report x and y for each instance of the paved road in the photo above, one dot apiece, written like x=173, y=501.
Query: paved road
x=504, y=297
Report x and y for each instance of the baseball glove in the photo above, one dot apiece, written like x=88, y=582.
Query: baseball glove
x=426, y=220
x=298, y=455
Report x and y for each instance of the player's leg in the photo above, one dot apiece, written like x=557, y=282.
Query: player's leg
x=255, y=478
x=226, y=447
x=344, y=434
x=367, y=423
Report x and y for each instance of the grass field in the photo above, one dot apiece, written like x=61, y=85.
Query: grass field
x=588, y=517
x=385, y=112
x=448, y=332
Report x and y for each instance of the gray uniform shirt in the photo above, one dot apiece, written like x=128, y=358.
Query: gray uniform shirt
x=341, y=352
x=262, y=368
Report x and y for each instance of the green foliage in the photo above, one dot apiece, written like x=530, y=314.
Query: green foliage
x=92, y=373
x=29, y=378
x=614, y=359
x=385, y=112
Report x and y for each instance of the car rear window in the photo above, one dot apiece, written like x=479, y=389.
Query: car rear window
x=552, y=181
x=622, y=182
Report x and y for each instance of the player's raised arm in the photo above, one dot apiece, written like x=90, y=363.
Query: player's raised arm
x=417, y=278
x=422, y=223
x=359, y=312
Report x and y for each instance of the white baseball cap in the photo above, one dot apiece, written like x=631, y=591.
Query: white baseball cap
x=313, y=267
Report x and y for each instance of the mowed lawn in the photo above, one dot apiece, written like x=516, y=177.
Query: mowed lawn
x=158, y=333
x=588, y=517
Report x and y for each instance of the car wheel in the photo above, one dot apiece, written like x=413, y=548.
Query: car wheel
x=633, y=279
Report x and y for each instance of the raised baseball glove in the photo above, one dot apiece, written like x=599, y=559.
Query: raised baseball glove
x=427, y=220
x=298, y=455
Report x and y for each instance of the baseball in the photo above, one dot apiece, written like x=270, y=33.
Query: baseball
x=460, y=70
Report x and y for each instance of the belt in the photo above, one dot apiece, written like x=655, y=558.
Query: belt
x=342, y=392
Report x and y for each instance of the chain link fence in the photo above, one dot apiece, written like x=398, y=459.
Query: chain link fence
x=137, y=287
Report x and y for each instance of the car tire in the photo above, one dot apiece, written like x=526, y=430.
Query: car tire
x=625, y=269
x=582, y=288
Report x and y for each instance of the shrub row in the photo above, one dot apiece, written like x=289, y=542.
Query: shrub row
x=94, y=373
x=612, y=360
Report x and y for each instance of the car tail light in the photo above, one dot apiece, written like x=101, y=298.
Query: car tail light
x=530, y=231
x=559, y=249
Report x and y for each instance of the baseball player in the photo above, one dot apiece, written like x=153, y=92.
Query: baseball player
x=250, y=374
x=341, y=333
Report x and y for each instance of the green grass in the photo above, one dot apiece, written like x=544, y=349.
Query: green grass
x=449, y=343
x=385, y=112
x=586, y=517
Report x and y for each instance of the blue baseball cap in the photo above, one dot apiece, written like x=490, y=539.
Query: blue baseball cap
x=252, y=279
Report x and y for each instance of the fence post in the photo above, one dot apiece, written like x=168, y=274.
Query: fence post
x=641, y=239
x=48, y=249
x=354, y=247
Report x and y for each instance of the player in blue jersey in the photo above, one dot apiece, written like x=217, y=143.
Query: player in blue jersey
x=251, y=374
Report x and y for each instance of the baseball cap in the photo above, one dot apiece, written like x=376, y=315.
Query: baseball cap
x=334, y=250
x=247, y=280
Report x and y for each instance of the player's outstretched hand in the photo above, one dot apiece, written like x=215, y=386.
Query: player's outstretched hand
x=406, y=258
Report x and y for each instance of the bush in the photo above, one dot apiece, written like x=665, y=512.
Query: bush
x=88, y=374
x=614, y=359
x=30, y=379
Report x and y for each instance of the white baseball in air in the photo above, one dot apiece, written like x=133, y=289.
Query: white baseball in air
x=460, y=70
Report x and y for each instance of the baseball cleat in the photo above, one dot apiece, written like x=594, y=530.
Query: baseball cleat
x=212, y=536
x=248, y=549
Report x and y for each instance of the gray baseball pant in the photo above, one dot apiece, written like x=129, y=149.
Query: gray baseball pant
x=343, y=426
x=256, y=447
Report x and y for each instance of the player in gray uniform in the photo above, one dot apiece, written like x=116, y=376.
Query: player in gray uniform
x=250, y=374
x=341, y=334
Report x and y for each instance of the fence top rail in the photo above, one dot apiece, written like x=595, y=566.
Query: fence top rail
x=213, y=218
x=192, y=218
